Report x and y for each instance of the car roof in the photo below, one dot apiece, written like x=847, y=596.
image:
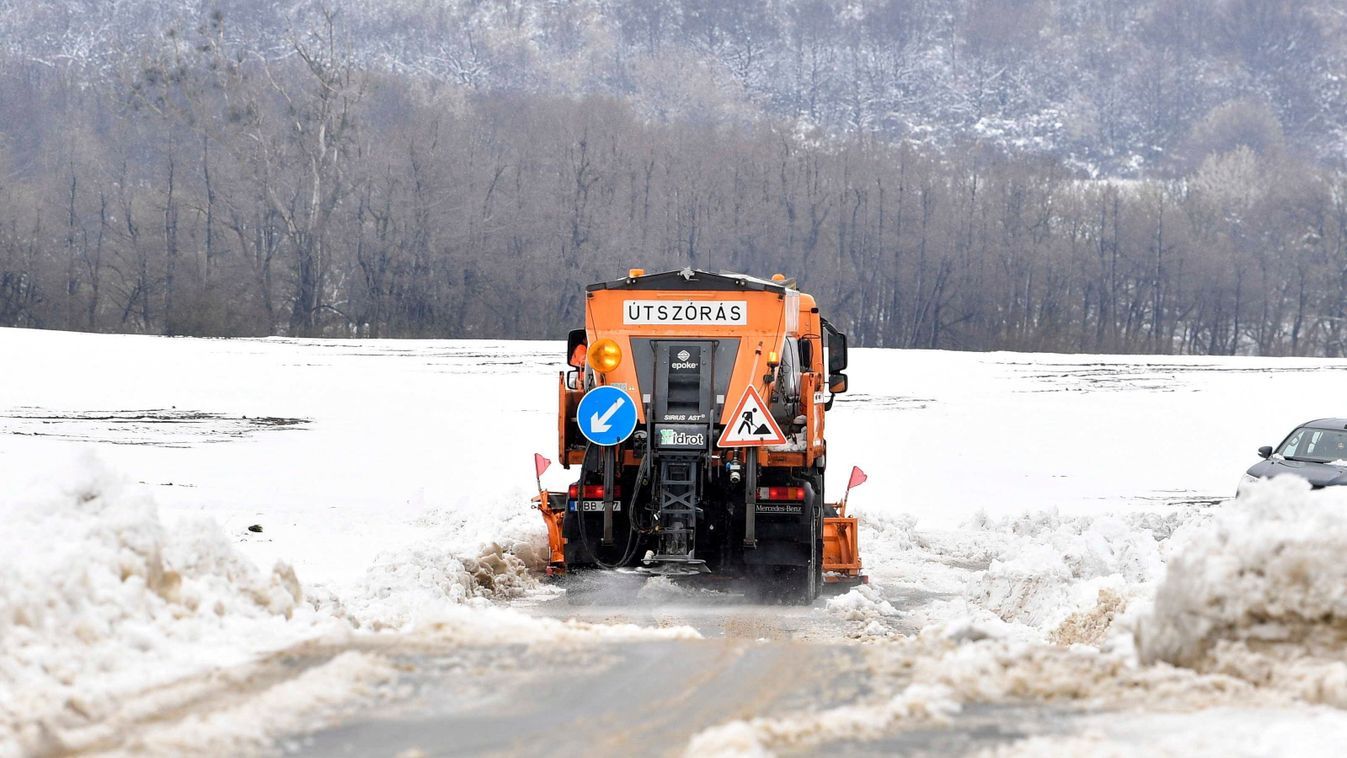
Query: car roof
x=1326, y=423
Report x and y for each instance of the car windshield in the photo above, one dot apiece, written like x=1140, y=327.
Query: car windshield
x=1318, y=445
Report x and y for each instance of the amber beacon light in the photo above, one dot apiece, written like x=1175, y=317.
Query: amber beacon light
x=605, y=355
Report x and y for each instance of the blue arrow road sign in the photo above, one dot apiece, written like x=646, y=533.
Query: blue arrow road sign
x=607, y=415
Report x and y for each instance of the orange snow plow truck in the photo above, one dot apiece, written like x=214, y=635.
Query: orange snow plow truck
x=694, y=410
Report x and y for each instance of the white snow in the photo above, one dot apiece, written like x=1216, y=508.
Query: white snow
x=314, y=698
x=1036, y=527
x=99, y=600
x=1261, y=594
x=134, y=467
x=103, y=605
x=915, y=705
x=1223, y=731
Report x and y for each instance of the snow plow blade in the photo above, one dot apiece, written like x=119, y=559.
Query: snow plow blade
x=552, y=505
x=841, y=549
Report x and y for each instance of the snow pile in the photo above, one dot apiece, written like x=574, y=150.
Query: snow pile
x=1090, y=626
x=1081, y=571
x=108, y=617
x=408, y=585
x=98, y=600
x=501, y=524
x=478, y=556
x=866, y=609
x=992, y=671
x=315, y=698
x=939, y=673
x=1223, y=731
x=917, y=705
x=1037, y=577
x=1261, y=593
x=887, y=533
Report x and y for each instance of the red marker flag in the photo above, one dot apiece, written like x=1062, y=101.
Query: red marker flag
x=540, y=464
x=858, y=477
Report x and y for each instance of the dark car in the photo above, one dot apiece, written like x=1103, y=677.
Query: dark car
x=1316, y=451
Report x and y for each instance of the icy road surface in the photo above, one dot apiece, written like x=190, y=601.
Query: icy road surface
x=261, y=546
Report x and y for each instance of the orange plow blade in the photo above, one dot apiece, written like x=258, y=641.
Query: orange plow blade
x=553, y=507
x=841, y=550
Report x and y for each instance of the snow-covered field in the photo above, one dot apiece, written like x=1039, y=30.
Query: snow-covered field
x=186, y=518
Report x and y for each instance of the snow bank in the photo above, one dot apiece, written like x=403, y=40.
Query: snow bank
x=98, y=599
x=916, y=705
x=318, y=697
x=409, y=585
x=1224, y=731
x=1261, y=593
x=1049, y=567
x=1037, y=577
x=1090, y=626
x=991, y=671
x=866, y=609
x=108, y=616
x=463, y=557
x=938, y=672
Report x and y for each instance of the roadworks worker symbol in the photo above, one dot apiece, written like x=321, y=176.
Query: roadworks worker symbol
x=751, y=425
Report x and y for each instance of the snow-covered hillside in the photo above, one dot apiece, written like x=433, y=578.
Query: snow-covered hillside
x=1036, y=526
x=1117, y=88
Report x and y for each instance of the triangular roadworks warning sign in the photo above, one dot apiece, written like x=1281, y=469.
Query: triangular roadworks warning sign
x=751, y=425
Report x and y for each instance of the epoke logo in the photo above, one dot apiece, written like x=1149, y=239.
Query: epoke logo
x=683, y=363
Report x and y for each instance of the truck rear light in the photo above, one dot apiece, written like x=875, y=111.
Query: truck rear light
x=592, y=492
x=781, y=493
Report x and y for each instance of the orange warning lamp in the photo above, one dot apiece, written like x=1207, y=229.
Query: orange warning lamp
x=778, y=277
x=605, y=355
x=773, y=360
x=635, y=272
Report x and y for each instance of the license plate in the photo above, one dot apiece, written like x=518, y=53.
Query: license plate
x=596, y=506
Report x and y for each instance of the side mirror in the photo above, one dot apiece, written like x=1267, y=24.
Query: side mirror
x=837, y=348
x=1265, y=451
x=837, y=383
x=574, y=340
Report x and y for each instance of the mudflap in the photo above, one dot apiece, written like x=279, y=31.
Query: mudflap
x=787, y=564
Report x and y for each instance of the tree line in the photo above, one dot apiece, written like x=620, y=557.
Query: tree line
x=1114, y=88
x=214, y=192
